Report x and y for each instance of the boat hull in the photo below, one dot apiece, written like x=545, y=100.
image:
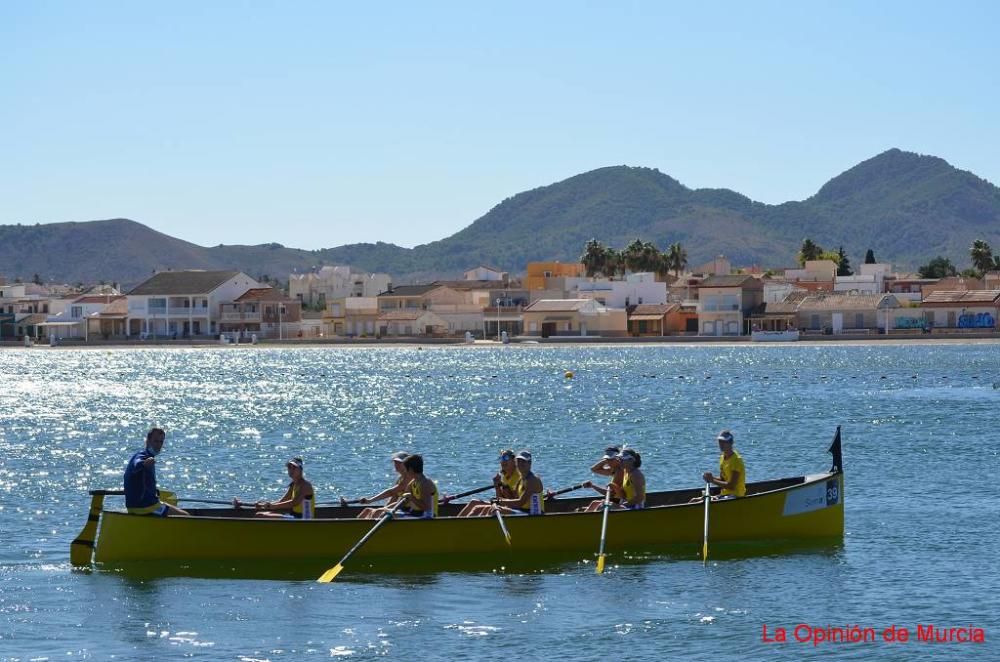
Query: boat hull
x=811, y=509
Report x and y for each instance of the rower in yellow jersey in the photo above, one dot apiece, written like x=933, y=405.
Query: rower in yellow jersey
x=422, y=501
x=530, y=493
x=298, y=502
x=609, y=465
x=633, y=481
x=732, y=473
x=420, y=494
x=390, y=492
x=504, y=482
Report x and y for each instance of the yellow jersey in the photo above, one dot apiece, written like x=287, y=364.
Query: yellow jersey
x=511, y=481
x=417, y=494
x=533, y=503
x=726, y=469
x=629, y=490
x=305, y=509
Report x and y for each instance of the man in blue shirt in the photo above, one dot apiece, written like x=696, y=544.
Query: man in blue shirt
x=141, y=495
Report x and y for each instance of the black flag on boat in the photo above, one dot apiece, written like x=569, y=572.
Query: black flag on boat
x=838, y=460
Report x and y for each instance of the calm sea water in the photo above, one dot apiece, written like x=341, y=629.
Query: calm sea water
x=921, y=458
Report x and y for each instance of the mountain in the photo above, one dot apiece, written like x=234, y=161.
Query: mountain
x=906, y=207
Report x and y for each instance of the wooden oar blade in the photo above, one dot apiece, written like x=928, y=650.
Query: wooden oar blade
x=82, y=548
x=330, y=574
x=600, y=564
x=80, y=552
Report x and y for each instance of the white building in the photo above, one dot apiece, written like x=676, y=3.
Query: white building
x=71, y=321
x=329, y=283
x=870, y=279
x=483, y=272
x=183, y=303
x=636, y=289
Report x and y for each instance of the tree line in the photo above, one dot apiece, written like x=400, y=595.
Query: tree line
x=980, y=252
x=637, y=256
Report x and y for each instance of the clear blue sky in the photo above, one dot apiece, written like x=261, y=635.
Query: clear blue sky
x=319, y=124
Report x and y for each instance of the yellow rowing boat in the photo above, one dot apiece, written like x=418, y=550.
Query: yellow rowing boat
x=774, y=513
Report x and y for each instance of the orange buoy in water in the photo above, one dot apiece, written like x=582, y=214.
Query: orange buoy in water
x=569, y=374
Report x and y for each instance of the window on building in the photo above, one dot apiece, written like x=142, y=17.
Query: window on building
x=814, y=321
x=859, y=320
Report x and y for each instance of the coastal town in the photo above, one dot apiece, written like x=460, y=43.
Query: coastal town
x=551, y=301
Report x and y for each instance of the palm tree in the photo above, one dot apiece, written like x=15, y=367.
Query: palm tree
x=662, y=267
x=677, y=258
x=650, y=256
x=632, y=255
x=982, y=256
x=593, y=258
x=612, y=263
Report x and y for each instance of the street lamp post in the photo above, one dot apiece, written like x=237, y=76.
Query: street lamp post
x=281, y=328
x=498, y=319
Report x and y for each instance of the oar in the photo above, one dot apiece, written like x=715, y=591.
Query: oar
x=704, y=547
x=572, y=488
x=451, y=497
x=165, y=496
x=503, y=527
x=81, y=549
x=332, y=573
x=604, y=530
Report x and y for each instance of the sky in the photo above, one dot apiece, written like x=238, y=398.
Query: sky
x=317, y=124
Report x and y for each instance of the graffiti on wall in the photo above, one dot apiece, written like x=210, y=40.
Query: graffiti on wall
x=976, y=321
x=911, y=323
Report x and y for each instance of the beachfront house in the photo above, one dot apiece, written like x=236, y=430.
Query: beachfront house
x=573, y=317
x=962, y=309
x=460, y=304
x=662, y=319
x=177, y=304
x=725, y=304
x=261, y=311
x=410, y=322
x=846, y=313
x=71, y=321
x=352, y=316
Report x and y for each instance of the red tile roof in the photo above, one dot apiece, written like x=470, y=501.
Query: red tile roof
x=99, y=298
x=264, y=294
x=963, y=297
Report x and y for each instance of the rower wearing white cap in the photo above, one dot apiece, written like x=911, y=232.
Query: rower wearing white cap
x=732, y=473
x=530, y=498
x=298, y=502
x=504, y=482
x=609, y=465
x=394, y=490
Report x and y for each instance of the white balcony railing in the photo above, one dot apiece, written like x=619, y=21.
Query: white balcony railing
x=241, y=317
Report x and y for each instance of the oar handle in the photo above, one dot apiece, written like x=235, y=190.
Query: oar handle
x=573, y=488
x=451, y=497
x=107, y=492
